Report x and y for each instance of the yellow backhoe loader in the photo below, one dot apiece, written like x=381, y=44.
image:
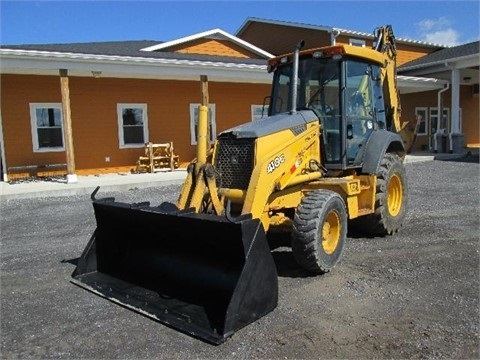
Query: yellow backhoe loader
x=329, y=155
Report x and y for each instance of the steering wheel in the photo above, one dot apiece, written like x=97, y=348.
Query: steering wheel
x=321, y=110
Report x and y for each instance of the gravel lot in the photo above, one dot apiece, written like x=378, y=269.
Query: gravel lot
x=413, y=295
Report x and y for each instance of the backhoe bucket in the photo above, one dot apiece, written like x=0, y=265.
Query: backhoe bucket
x=201, y=274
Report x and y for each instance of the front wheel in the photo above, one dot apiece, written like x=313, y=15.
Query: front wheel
x=390, y=198
x=319, y=231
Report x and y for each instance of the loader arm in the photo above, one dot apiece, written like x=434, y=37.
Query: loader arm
x=385, y=44
x=201, y=174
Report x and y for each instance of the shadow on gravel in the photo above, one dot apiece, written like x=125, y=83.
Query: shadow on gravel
x=288, y=267
x=355, y=234
x=71, y=261
x=283, y=257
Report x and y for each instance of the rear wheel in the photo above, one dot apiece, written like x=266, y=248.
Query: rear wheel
x=319, y=231
x=390, y=198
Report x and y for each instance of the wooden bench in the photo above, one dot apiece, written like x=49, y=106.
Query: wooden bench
x=157, y=157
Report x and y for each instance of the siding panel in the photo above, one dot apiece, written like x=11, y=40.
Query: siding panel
x=94, y=116
x=215, y=47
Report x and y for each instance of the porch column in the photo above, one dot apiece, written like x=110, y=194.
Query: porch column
x=67, y=125
x=3, y=160
x=456, y=137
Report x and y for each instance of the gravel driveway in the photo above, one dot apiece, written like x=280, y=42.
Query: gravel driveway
x=412, y=295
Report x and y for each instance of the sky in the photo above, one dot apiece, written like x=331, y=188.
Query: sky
x=46, y=22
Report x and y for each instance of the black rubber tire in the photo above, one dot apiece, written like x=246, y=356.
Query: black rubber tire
x=317, y=211
x=383, y=222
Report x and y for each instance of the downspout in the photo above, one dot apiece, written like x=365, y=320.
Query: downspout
x=439, y=116
x=333, y=36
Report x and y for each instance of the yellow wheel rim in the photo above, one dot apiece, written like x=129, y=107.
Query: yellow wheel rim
x=395, y=195
x=331, y=232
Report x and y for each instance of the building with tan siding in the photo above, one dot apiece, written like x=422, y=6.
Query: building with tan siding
x=156, y=84
x=125, y=94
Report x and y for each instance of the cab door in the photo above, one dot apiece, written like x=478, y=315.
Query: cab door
x=363, y=99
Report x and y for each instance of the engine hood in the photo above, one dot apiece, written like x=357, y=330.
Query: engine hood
x=271, y=125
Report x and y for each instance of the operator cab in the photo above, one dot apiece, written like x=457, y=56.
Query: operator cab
x=344, y=92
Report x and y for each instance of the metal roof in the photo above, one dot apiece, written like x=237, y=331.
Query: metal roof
x=328, y=29
x=127, y=49
x=129, y=59
x=451, y=54
x=133, y=59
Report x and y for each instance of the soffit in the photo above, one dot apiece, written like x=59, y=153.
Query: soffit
x=412, y=84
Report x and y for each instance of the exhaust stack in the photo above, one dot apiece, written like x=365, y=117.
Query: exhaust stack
x=296, y=54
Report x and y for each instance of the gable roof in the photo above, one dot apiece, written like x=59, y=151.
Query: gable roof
x=123, y=49
x=127, y=59
x=216, y=34
x=251, y=20
x=329, y=29
x=142, y=59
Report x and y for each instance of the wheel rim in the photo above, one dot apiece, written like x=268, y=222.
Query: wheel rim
x=331, y=232
x=395, y=195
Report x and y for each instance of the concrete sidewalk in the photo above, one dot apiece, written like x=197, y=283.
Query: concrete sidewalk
x=87, y=184
x=125, y=181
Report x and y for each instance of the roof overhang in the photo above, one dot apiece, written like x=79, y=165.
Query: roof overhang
x=467, y=65
x=461, y=62
x=412, y=84
x=33, y=62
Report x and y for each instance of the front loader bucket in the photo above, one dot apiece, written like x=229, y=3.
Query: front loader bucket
x=201, y=274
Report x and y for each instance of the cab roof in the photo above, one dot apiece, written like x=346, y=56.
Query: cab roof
x=329, y=51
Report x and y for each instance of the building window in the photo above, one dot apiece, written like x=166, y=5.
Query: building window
x=356, y=42
x=132, y=125
x=421, y=114
x=259, y=112
x=212, y=129
x=47, y=127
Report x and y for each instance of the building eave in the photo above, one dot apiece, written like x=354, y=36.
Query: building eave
x=32, y=62
x=397, y=39
x=413, y=84
x=47, y=63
